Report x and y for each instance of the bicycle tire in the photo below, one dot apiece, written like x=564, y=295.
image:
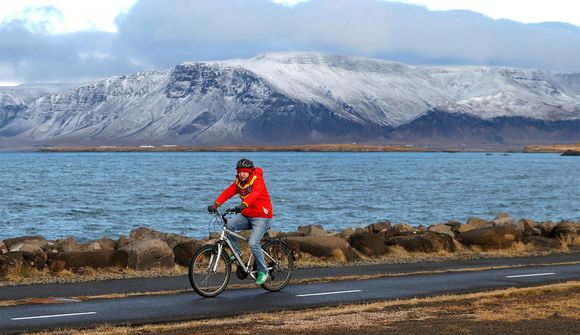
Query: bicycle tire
x=280, y=276
x=202, y=278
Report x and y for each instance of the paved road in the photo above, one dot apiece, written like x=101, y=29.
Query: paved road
x=181, y=283
x=188, y=306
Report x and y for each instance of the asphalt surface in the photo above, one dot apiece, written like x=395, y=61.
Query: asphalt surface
x=189, y=306
x=182, y=283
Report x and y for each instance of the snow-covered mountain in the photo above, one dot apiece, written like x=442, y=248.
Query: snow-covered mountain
x=301, y=97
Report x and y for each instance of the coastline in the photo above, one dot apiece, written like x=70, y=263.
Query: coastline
x=266, y=148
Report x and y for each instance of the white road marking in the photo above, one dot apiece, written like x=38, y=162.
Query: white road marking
x=327, y=293
x=51, y=316
x=532, y=275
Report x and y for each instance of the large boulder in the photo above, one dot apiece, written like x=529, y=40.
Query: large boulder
x=495, y=236
x=474, y=223
x=14, y=244
x=530, y=227
x=146, y=254
x=184, y=252
x=379, y=226
x=424, y=242
x=328, y=247
x=368, y=244
x=442, y=229
x=311, y=230
x=32, y=251
x=74, y=260
x=144, y=233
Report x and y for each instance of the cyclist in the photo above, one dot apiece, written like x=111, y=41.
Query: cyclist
x=255, y=210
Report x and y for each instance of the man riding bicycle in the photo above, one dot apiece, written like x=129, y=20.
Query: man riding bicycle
x=255, y=210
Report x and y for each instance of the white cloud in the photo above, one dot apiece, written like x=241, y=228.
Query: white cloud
x=74, y=15
x=157, y=34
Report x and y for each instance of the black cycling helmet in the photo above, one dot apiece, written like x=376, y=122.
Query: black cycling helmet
x=244, y=164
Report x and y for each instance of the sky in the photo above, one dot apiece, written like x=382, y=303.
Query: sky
x=73, y=41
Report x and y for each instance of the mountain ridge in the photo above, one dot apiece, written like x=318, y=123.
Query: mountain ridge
x=301, y=98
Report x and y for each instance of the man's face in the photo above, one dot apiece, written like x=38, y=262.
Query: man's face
x=243, y=175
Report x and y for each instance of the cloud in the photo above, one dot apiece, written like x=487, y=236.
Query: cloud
x=159, y=34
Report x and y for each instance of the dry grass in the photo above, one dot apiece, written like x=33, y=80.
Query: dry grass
x=510, y=306
x=27, y=276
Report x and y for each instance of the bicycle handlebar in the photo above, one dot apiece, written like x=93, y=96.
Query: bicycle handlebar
x=226, y=212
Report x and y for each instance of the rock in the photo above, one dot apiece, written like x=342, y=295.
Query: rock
x=74, y=260
x=311, y=230
x=184, y=251
x=530, y=227
x=368, y=244
x=34, y=255
x=379, y=226
x=346, y=233
x=146, y=254
x=400, y=228
x=442, y=229
x=473, y=223
x=3, y=248
x=101, y=244
x=328, y=247
x=546, y=228
x=144, y=233
x=67, y=245
x=502, y=217
x=32, y=251
x=122, y=241
x=12, y=243
x=272, y=234
x=425, y=242
x=422, y=229
x=495, y=236
x=454, y=225
x=56, y=266
x=566, y=228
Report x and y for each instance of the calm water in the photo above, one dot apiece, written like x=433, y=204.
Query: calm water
x=89, y=195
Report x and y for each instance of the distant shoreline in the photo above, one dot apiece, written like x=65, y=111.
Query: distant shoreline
x=286, y=148
x=535, y=148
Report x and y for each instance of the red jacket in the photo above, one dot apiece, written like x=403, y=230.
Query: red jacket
x=253, y=193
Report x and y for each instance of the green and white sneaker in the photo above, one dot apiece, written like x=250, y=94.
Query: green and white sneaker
x=262, y=277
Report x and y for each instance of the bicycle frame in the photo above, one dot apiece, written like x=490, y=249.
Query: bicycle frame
x=224, y=238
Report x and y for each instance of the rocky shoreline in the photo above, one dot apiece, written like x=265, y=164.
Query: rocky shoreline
x=146, y=249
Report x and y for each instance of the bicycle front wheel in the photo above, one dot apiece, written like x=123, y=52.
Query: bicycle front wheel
x=280, y=265
x=209, y=274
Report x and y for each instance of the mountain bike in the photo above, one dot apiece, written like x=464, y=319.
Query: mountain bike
x=211, y=265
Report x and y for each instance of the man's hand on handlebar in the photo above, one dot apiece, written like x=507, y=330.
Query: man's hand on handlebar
x=213, y=207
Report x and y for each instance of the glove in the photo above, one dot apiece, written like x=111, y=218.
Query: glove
x=239, y=208
x=213, y=208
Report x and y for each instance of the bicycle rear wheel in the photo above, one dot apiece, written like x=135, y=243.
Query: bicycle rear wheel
x=208, y=274
x=280, y=264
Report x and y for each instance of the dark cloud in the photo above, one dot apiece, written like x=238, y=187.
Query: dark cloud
x=159, y=34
